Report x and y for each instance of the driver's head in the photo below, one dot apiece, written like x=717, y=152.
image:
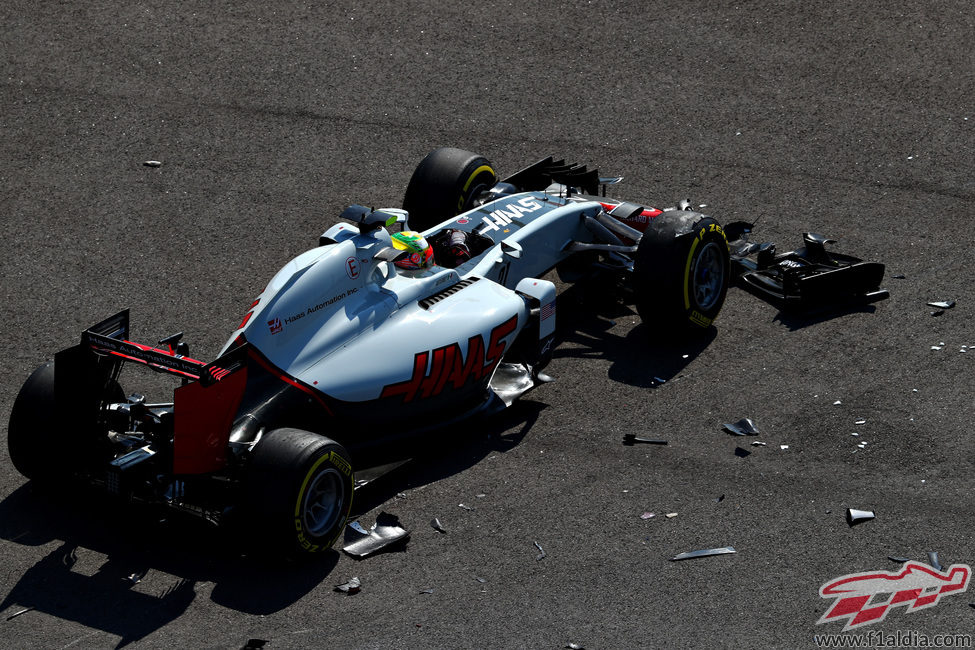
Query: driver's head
x=420, y=252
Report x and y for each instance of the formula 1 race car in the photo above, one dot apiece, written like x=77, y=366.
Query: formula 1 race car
x=430, y=313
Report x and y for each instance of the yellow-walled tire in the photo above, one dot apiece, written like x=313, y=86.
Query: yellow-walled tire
x=298, y=491
x=682, y=271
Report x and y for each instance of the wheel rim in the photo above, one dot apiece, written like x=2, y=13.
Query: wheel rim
x=708, y=276
x=323, y=502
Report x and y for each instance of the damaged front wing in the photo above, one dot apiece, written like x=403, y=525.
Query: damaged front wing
x=807, y=277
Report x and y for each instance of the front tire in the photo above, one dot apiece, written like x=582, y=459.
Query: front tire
x=682, y=272
x=444, y=184
x=298, y=489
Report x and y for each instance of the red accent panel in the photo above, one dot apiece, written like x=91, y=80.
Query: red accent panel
x=203, y=417
x=274, y=370
x=247, y=317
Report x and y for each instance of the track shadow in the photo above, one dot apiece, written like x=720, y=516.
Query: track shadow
x=796, y=319
x=799, y=320
x=640, y=357
x=153, y=560
x=165, y=556
x=450, y=452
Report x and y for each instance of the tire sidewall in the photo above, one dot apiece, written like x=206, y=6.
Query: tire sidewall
x=669, y=254
x=329, y=461
x=476, y=177
x=281, y=470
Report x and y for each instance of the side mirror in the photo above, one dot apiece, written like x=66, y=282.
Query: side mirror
x=511, y=249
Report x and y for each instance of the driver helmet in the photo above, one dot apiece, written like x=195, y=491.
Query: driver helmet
x=420, y=252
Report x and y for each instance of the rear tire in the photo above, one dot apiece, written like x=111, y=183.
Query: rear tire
x=52, y=437
x=682, y=272
x=33, y=432
x=298, y=491
x=444, y=184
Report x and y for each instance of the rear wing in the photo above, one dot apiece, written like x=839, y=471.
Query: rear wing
x=110, y=337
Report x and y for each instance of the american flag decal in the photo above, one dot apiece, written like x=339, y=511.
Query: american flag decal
x=548, y=310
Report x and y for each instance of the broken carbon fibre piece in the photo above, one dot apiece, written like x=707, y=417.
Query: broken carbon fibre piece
x=708, y=552
x=385, y=532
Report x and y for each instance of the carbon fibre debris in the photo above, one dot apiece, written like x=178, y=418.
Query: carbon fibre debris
x=541, y=551
x=743, y=427
x=630, y=439
x=384, y=533
x=707, y=552
x=352, y=587
x=854, y=516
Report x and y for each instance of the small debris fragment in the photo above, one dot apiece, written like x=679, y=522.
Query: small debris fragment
x=942, y=304
x=630, y=439
x=689, y=555
x=385, y=532
x=136, y=577
x=742, y=453
x=426, y=591
x=356, y=526
x=351, y=587
x=936, y=347
x=743, y=427
x=480, y=579
x=933, y=560
x=860, y=421
x=854, y=517
x=759, y=443
x=648, y=515
x=576, y=646
x=837, y=403
x=152, y=163
x=660, y=380
x=437, y=526
x=783, y=447
x=20, y=613
x=465, y=507
x=719, y=499
x=899, y=276
x=670, y=515
x=254, y=644
x=855, y=434
x=902, y=560
x=541, y=551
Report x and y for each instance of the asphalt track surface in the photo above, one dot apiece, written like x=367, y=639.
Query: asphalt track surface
x=855, y=120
